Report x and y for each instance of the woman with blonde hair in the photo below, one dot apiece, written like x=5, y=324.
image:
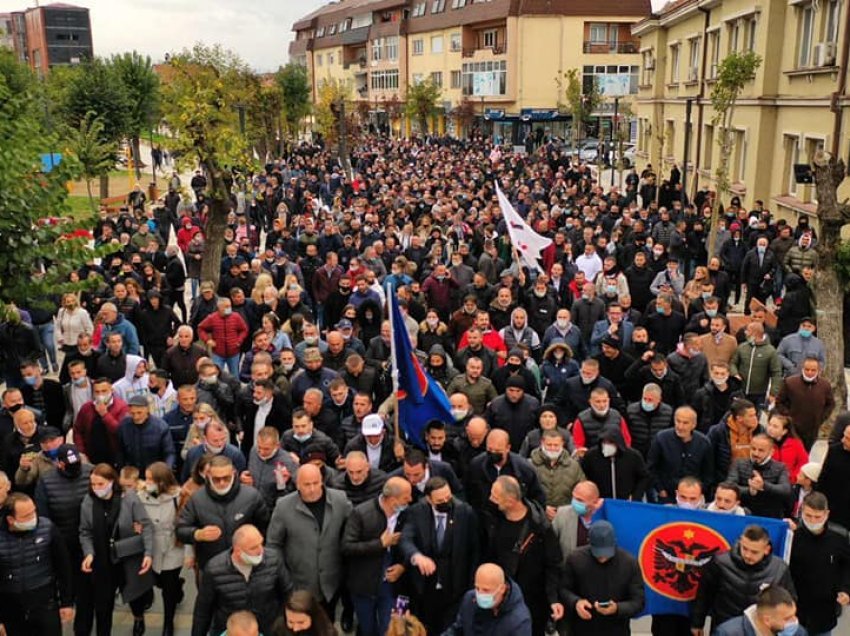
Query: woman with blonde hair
x=203, y=415
x=263, y=281
x=693, y=288
x=406, y=625
x=71, y=321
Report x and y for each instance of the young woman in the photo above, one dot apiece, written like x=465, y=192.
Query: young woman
x=71, y=321
x=302, y=614
x=787, y=448
x=110, y=522
x=160, y=498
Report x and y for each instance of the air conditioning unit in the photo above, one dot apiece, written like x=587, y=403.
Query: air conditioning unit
x=649, y=64
x=824, y=54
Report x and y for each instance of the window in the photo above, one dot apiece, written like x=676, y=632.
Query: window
x=319, y=59
x=391, y=48
x=417, y=78
x=458, y=4
x=377, y=49
x=751, y=26
x=714, y=42
x=438, y=6
x=489, y=38
x=455, y=79
x=437, y=44
x=833, y=11
x=792, y=156
x=330, y=59
x=812, y=148
x=693, y=62
x=344, y=25
x=626, y=77
x=455, y=42
x=648, y=66
x=418, y=47
x=481, y=79
x=739, y=156
x=320, y=32
x=385, y=80
x=332, y=29
x=804, y=38
x=734, y=35
x=674, y=64
x=437, y=78
x=418, y=10
x=598, y=33
x=708, y=150
x=670, y=138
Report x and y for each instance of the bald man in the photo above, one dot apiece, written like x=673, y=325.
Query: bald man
x=572, y=522
x=248, y=575
x=494, y=607
x=307, y=527
x=498, y=460
x=369, y=545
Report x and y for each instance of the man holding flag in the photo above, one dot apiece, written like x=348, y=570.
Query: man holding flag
x=529, y=244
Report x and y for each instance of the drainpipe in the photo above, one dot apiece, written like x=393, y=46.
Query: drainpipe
x=700, y=104
x=842, y=86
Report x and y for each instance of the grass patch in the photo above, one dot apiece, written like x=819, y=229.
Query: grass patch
x=79, y=205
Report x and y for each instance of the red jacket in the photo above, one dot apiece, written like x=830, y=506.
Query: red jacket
x=792, y=453
x=85, y=419
x=439, y=293
x=229, y=332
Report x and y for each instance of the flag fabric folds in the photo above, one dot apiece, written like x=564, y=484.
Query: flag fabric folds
x=528, y=243
x=673, y=546
x=420, y=397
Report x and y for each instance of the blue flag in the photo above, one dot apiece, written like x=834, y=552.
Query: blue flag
x=420, y=397
x=673, y=545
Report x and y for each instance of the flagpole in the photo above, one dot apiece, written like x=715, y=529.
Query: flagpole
x=394, y=372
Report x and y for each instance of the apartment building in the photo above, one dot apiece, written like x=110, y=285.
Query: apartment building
x=48, y=35
x=499, y=62
x=782, y=117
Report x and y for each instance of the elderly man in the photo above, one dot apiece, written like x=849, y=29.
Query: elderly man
x=494, y=607
x=144, y=438
x=248, y=575
x=181, y=359
x=115, y=322
x=307, y=527
x=359, y=480
x=224, y=332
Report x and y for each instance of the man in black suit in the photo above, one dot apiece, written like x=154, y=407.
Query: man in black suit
x=267, y=408
x=439, y=544
x=371, y=535
x=418, y=470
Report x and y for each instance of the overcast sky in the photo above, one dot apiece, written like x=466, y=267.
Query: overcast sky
x=258, y=30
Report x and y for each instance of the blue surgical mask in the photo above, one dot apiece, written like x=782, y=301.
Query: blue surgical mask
x=647, y=406
x=711, y=313
x=579, y=506
x=485, y=601
x=790, y=628
x=80, y=382
x=302, y=438
x=30, y=380
x=760, y=250
x=805, y=333
x=660, y=310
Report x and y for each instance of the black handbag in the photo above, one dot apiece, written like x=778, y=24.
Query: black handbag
x=121, y=549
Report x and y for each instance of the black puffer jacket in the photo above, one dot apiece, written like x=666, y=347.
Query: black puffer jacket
x=644, y=426
x=711, y=404
x=35, y=560
x=224, y=590
x=59, y=498
x=728, y=586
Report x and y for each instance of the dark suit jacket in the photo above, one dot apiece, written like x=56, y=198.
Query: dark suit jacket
x=280, y=417
x=361, y=547
x=481, y=475
x=459, y=552
x=436, y=469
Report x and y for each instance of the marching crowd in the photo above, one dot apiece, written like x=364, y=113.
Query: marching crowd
x=245, y=443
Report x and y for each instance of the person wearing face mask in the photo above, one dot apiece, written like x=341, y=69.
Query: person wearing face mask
x=574, y=396
x=43, y=394
x=514, y=411
x=248, y=575
x=820, y=566
x=33, y=466
x=12, y=402
x=727, y=500
x=758, y=366
x=796, y=347
x=495, y=606
x=77, y=391
x=774, y=613
x=439, y=545
x=757, y=269
x=807, y=399
x=557, y=471
x=376, y=442
x=116, y=535
x=37, y=571
x=712, y=400
x=762, y=481
x=599, y=415
x=558, y=366
x=224, y=333
x=619, y=471
x=798, y=303
x=541, y=304
x=303, y=434
x=500, y=460
x=214, y=512
x=564, y=329
x=369, y=543
x=647, y=417
x=572, y=521
x=214, y=439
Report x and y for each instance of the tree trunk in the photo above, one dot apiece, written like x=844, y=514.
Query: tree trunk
x=722, y=178
x=91, y=198
x=137, y=158
x=216, y=224
x=104, y=186
x=832, y=215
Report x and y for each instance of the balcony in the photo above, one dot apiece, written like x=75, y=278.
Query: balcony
x=611, y=47
x=358, y=63
x=496, y=50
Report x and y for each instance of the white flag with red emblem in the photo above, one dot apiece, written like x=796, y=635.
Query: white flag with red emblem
x=528, y=243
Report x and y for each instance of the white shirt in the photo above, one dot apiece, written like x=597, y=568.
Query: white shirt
x=374, y=455
x=263, y=411
x=421, y=485
x=590, y=265
x=79, y=396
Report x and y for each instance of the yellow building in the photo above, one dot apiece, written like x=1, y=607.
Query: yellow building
x=782, y=117
x=498, y=62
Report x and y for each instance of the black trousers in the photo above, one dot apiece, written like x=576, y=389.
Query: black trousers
x=670, y=625
x=436, y=609
x=169, y=582
x=96, y=601
x=35, y=612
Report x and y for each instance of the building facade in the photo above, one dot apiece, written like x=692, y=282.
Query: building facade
x=49, y=35
x=499, y=63
x=791, y=110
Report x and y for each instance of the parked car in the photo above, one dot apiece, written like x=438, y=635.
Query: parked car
x=628, y=156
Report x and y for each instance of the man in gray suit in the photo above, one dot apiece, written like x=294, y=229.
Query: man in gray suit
x=572, y=522
x=307, y=527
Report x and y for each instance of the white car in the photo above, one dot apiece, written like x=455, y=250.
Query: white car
x=628, y=156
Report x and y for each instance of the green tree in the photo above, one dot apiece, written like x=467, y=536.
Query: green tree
x=28, y=197
x=200, y=98
x=142, y=87
x=421, y=102
x=736, y=70
x=295, y=95
x=581, y=104
x=264, y=112
x=95, y=153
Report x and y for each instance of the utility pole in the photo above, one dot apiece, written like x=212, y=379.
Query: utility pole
x=688, y=105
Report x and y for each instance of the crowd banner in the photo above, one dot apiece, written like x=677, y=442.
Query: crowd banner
x=673, y=546
x=528, y=243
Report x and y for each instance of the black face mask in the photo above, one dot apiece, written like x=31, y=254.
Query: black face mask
x=445, y=507
x=513, y=367
x=494, y=458
x=15, y=408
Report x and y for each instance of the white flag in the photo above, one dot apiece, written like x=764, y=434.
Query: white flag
x=529, y=244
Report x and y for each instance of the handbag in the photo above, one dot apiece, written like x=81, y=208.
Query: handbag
x=121, y=549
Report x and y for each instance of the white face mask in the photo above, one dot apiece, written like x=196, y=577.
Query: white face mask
x=562, y=324
x=223, y=490
x=809, y=378
x=252, y=560
x=814, y=527
x=105, y=492
x=608, y=449
x=459, y=414
x=551, y=454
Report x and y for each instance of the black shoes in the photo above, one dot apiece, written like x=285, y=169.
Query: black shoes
x=138, y=627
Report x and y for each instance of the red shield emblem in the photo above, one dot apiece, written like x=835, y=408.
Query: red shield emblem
x=673, y=555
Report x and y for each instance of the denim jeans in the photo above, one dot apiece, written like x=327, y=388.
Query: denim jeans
x=45, y=333
x=231, y=363
x=373, y=614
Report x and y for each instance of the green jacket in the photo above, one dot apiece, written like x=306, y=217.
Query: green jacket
x=757, y=365
x=559, y=480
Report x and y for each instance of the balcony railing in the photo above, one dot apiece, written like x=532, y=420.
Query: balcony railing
x=611, y=47
x=496, y=50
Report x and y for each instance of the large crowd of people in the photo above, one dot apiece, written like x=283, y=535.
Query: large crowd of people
x=160, y=430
